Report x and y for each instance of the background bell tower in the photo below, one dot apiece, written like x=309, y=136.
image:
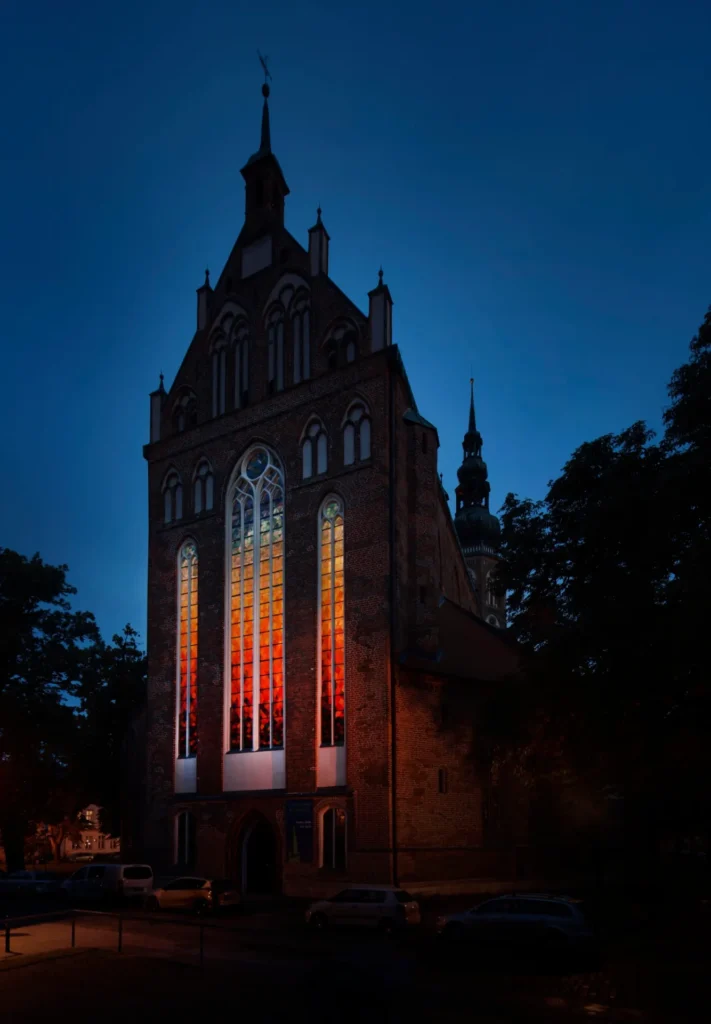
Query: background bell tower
x=479, y=531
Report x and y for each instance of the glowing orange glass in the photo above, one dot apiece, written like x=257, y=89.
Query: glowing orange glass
x=188, y=653
x=256, y=612
x=333, y=679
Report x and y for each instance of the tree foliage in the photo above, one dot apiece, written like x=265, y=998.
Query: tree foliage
x=608, y=580
x=64, y=702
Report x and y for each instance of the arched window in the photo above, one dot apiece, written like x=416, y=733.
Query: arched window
x=333, y=839
x=185, y=413
x=356, y=434
x=314, y=450
x=342, y=345
x=256, y=622
x=203, y=488
x=241, y=354
x=301, y=331
x=219, y=376
x=172, y=498
x=275, y=346
x=332, y=632
x=186, y=684
x=491, y=596
x=185, y=834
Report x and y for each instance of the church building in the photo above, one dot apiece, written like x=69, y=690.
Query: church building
x=318, y=622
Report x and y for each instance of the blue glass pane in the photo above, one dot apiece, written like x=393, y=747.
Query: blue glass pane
x=257, y=464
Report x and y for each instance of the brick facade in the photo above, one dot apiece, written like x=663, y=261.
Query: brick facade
x=402, y=559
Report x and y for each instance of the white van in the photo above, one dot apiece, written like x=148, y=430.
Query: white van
x=109, y=881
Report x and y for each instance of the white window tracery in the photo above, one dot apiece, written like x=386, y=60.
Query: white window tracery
x=255, y=513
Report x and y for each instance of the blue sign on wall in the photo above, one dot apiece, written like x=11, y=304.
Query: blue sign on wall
x=299, y=831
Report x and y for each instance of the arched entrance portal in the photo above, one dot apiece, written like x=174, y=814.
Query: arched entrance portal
x=258, y=858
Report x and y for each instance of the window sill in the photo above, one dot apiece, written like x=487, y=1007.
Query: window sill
x=259, y=750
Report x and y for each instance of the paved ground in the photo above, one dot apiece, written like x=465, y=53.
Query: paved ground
x=655, y=968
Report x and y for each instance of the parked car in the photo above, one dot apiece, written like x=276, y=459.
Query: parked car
x=106, y=858
x=367, y=906
x=536, y=919
x=109, y=881
x=80, y=858
x=30, y=883
x=194, y=893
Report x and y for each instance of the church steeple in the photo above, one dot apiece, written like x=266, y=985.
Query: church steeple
x=473, y=488
x=477, y=528
x=265, y=185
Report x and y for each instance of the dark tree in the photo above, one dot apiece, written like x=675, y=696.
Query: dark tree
x=42, y=644
x=608, y=582
x=111, y=691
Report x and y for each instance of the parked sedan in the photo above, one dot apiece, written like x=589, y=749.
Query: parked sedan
x=366, y=906
x=540, y=920
x=30, y=883
x=201, y=895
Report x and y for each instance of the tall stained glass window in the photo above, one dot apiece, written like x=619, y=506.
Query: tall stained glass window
x=187, y=651
x=256, y=621
x=333, y=680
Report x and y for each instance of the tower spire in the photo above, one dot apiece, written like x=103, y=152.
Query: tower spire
x=265, y=187
x=265, y=142
x=478, y=529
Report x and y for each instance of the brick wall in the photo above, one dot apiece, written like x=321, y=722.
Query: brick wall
x=440, y=834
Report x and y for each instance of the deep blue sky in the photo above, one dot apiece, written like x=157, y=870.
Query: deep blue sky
x=534, y=178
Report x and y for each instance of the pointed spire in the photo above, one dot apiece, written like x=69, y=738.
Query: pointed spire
x=472, y=417
x=265, y=144
x=207, y=277
x=380, y=276
x=161, y=387
x=265, y=186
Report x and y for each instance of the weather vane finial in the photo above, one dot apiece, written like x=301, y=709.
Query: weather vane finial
x=265, y=69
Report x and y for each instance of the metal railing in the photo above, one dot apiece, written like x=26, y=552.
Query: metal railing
x=123, y=916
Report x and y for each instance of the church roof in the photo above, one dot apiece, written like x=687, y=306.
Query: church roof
x=413, y=416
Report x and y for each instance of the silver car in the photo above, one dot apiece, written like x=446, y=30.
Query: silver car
x=366, y=906
x=535, y=919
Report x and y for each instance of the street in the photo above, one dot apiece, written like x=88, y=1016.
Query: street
x=648, y=971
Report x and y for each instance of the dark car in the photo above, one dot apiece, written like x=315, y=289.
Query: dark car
x=538, y=920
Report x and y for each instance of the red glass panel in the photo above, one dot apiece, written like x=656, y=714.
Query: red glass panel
x=332, y=631
x=188, y=653
x=257, y=609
